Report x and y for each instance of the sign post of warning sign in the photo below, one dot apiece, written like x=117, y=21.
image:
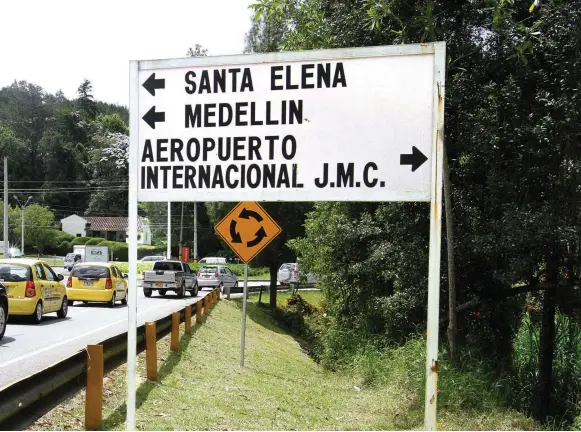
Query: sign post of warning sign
x=352, y=124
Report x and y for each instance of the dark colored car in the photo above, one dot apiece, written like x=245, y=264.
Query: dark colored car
x=3, y=309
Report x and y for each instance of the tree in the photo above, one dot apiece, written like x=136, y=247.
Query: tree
x=39, y=226
x=110, y=174
x=85, y=99
x=514, y=156
x=9, y=145
x=197, y=51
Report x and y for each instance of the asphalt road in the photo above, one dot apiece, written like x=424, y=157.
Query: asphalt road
x=28, y=348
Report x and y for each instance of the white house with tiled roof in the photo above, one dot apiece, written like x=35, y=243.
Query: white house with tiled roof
x=110, y=228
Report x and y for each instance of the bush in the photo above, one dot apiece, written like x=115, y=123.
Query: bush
x=80, y=240
x=64, y=248
x=523, y=380
x=120, y=251
x=145, y=250
x=94, y=241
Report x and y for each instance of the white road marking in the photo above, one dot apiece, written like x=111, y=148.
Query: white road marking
x=68, y=341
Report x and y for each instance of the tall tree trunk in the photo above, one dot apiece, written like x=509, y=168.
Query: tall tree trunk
x=452, y=301
x=547, y=342
x=273, y=281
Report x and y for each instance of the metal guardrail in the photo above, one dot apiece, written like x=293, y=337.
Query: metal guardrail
x=68, y=375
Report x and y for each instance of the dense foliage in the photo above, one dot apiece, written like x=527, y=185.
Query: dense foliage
x=514, y=150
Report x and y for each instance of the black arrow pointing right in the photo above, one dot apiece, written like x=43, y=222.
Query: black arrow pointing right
x=416, y=159
x=152, y=117
x=260, y=234
x=235, y=236
x=151, y=84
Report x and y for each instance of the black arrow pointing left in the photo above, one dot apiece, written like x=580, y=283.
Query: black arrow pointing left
x=152, y=117
x=245, y=214
x=151, y=84
x=260, y=235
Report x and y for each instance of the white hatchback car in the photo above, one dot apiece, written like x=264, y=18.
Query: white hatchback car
x=289, y=273
x=217, y=276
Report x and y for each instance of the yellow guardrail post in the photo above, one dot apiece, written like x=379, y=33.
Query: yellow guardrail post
x=94, y=394
x=151, y=351
x=199, y=311
x=188, y=319
x=175, y=331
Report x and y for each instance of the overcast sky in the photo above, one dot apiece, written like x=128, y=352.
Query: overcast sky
x=58, y=43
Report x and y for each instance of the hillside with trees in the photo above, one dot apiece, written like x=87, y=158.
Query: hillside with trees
x=70, y=156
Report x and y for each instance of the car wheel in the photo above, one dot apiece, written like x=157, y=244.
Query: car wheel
x=111, y=303
x=62, y=312
x=182, y=291
x=146, y=292
x=221, y=288
x=70, y=302
x=195, y=290
x=162, y=292
x=37, y=315
x=3, y=319
x=124, y=301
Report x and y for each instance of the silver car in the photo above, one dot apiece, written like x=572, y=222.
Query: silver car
x=290, y=273
x=217, y=276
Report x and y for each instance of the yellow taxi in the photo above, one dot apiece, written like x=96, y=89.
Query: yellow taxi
x=96, y=282
x=34, y=288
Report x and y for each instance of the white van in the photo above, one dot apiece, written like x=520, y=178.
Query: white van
x=212, y=260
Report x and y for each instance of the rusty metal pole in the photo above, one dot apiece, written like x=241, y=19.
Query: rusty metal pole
x=431, y=398
x=151, y=351
x=94, y=394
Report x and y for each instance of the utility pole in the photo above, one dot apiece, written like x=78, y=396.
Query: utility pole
x=181, y=231
x=22, y=207
x=169, y=230
x=6, y=248
x=195, y=232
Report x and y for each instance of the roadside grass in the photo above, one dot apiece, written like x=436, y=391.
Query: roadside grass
x=203, y=388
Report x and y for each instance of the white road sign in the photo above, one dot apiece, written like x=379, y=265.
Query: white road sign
x=362, y=124
x=348, y=125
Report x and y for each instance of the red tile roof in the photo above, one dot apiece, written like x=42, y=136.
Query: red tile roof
x=106, y=223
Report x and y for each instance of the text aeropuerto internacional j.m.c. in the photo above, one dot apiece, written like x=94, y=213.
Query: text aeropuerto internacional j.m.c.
x=246, y=161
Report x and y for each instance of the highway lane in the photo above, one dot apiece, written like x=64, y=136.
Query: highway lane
x=28, y=348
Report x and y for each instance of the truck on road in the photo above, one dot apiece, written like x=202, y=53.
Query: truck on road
x=85, y=253
x=170, y=275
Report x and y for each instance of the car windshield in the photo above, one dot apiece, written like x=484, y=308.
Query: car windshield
x=14, y=273
x=167, y=266
x=287, y=267
x=87, y=271
x=208, y=269
x=69, y=256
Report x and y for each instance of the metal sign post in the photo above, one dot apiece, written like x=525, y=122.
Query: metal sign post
x=132, y=228
x=352, y=124
x=244, y=301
